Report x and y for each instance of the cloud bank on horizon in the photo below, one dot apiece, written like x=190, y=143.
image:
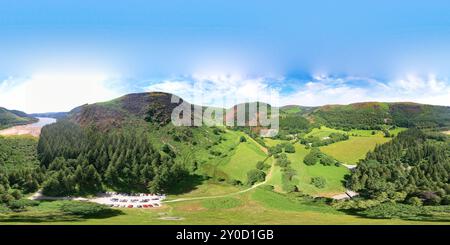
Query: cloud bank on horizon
x=63, y=92
x=57, y=55
x=216, y=90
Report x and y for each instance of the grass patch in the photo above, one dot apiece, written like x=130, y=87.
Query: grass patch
x=323, y=132
x=222, y=203
x=333, y=176
x=243, y=160
x=353, y=149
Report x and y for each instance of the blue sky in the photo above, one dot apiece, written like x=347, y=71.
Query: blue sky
x=56, y=55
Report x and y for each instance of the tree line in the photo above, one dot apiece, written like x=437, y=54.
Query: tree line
x=413, y=167
x=85, y=161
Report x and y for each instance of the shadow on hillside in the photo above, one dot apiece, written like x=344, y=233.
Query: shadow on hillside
x=55, y=216
x=416, y=217
x=187, y=184
x=38, y=218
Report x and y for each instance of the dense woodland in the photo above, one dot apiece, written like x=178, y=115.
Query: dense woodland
x=374, y=115
x=413, y=167
x=91, y=152
x=348, y=117
x=85, y=161
x=19, y=168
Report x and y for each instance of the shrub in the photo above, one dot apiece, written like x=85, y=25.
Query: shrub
x=319, y=182
x=289, y=148
x=275, y=150
x=243, y=139
x=289, y=187
x=51, y=187
x=327, y=160
x=313, y=157
x=6, y=198
x=85, y=209
x=235, y=182
x=415, y=201
x=21, y=204
x=445, y=200
x=254, y=176
x=260, y=165
x=283, y=162
x=16, y=194
x=395, y=210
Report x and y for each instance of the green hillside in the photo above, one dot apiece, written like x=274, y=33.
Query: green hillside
x=231, y=175
x=10, y=118
x=374, y=115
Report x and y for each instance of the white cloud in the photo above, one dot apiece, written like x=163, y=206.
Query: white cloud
x=320, y=90
x=344, y=90
x=62, y=91
x=219, y=90
x=55, y=91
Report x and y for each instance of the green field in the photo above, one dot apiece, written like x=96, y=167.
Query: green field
x=256, y=207
x=323, y=132
x=243, y=160
x=356, y=148
x=333, y=175
x=352, y=150
x=272, y=142
x=208, y=201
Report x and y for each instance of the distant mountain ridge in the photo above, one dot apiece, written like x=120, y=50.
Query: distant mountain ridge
x=157, y=107
x=367, y=115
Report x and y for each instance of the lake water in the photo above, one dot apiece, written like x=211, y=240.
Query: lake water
x=43, y=121
x=33, y=129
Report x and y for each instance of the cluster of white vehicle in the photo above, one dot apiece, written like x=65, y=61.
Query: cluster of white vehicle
x=133, y=200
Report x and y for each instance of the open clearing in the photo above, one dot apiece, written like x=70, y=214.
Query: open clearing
x=333, y=175
x=352, y=150
x=255, y=207
x=323, y=132
x=243, y=160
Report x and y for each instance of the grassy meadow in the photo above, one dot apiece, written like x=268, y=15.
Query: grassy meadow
x=258, y=206
x=211, y=201
x=356, y=147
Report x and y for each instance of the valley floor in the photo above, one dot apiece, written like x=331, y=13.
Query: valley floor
x=254, y=207
x=217, y=203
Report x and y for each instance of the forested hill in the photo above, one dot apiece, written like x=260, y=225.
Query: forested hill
x=157, y=107
x=10, y=118
x=372, y=115
x=413, y=165
x=154, y=107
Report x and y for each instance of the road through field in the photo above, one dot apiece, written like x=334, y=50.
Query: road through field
x=268, y=176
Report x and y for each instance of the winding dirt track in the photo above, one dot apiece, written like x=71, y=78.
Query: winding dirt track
x=268, y=177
